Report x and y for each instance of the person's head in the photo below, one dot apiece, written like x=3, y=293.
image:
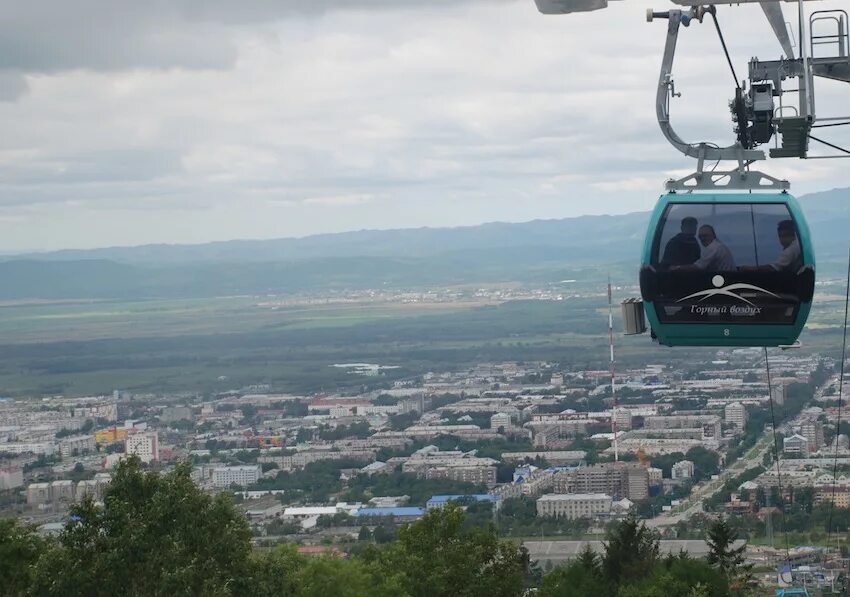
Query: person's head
x=706, y=235
x=689, y=226
x=787, y=233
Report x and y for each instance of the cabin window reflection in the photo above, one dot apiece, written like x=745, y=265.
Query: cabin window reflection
x=717, y=237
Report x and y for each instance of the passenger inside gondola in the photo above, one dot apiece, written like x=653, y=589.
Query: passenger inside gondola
x=682, y=249
x=745, y=271
x=790, y=259
x=716, y=257
x=703, y=237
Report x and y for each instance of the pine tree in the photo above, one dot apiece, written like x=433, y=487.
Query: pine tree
x=631, y=552
x=588, y=559
x=729, y=560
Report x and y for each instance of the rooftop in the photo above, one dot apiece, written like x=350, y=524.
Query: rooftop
x=481, y=497
x=387, y=511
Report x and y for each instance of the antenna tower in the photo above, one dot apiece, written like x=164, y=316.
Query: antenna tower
x=613, y=384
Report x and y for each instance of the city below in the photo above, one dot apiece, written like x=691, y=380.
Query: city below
x=539, y=448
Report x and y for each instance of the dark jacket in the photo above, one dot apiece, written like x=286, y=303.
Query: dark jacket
x=682, y=249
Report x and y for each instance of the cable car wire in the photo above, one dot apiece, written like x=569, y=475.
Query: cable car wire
x=813, y=138
x=776, y=458
x=822, y=126
x=840, y=400
x=712, y=10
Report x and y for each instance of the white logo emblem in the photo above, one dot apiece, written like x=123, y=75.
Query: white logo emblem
x=720, y=290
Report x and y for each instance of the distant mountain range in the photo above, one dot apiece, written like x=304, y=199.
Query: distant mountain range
x=537, y=251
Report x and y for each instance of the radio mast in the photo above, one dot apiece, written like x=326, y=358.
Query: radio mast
x=613, y=383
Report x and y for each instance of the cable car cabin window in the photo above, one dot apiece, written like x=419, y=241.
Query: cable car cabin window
x=727, y=263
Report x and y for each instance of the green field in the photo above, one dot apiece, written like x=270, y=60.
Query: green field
x=217, y=344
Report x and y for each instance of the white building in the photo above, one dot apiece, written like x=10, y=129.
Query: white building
x=38, y=493
x=430, y=463
x=500, y=420
x=777, y=394
x=654, y=475
x=143, y=445
x=574, y=505
x=108, y=411
x=623, y=418
x=46, y=448
x=735, y=414
x=225, y=476
x=684, y=469
x=796, y=444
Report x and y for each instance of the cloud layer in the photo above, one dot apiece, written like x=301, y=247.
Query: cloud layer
x=128, y=123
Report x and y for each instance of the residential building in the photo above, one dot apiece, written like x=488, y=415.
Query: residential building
x=536, y=483
x=108, y=411
x=553, y=457
x=637, y=483
x=736, y=414
x=76, y=445
x=660, y=446
x=709, y=424
x=500, y=420
x=459, y=466
x=225, y=476
x=302, y=459
x=813, y=432
x=620, y=479
x=46, y=448
x=38, y=494
x=654, y=476
x=623, y=418
x=144, y=445
x=777, y=393
x=796, y=444
x=62, y=491
x=684, y=469
x=477, y=474
x=574, y=505
x=507, y=491
x=830, y=489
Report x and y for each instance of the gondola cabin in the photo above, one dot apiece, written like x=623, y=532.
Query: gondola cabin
x=727, y=269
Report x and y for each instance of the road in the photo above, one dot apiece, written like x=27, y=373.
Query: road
x=702, y=491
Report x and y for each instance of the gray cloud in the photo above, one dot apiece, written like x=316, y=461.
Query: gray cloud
x=12, y=85
x=133, y=165
x=191, y=121
x=108, y=35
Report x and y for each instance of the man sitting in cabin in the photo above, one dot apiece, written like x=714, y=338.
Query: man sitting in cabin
x=791, y=257
x=716, y=257
x=682, y=249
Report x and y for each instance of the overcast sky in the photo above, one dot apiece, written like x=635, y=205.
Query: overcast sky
x=127, y=122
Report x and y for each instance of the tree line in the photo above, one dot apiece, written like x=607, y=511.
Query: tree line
x=160, y=534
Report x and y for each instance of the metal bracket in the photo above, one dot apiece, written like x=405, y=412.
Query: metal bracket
x=730, y=180
x=665, y=92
